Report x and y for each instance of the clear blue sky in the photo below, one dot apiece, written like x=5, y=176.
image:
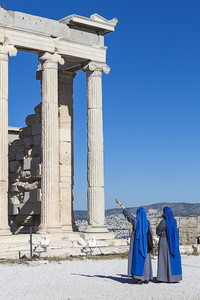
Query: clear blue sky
x=151, y=98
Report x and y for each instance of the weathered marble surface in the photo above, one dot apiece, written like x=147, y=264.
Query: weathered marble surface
x=42, y=158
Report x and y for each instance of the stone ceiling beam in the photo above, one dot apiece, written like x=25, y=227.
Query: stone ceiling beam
x=25, y=40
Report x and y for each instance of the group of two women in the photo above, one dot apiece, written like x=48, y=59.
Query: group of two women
x=139, y=259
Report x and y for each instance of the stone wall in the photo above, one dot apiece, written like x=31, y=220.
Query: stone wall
x=188, y=229
x=25, y=165
x=25, y=175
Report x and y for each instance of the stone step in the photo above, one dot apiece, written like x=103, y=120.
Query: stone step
x=114, y=250
x=98, y=235
x=118, y=242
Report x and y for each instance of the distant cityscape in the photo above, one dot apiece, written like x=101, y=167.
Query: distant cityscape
x=117, y=223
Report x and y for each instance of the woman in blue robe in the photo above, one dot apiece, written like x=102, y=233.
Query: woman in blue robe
x=139, y=258
x=169, y=260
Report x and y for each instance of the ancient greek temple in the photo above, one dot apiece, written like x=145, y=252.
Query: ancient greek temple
x=44, y=152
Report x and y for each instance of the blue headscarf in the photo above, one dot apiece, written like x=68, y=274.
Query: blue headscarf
x=172, y=233
x=141, y=230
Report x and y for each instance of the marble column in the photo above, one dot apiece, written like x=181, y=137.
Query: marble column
x=66, y=153
x=50, y=148
x=5, y=51
x=95, y=165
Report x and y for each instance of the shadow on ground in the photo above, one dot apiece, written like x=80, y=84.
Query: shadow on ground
x=122, y=279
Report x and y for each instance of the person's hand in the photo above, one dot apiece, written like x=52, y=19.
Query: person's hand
x=117, y=201
x=122, y=206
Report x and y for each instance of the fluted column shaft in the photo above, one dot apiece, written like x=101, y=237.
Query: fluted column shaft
x=5, y=51
x=66, y=157
x=95, y=164
x=50, y=148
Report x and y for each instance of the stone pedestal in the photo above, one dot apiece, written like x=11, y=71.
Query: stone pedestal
x=66, y=147
x=95, y=170
x=50, y=148
x=5, y=51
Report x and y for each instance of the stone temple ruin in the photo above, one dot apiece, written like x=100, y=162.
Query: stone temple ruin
x=37, y=169
x=40, y=192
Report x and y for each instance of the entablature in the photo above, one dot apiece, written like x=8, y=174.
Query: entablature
x=75, y=38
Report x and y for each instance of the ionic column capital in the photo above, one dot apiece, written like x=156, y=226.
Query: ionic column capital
x=51, y=58
x=6, y=49
x=97, y=67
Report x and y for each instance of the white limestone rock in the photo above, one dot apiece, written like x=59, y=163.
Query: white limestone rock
x=25, y=175
x=14, y=199
x=27, y=163
x=14, y=209
x=30, y=186
x=65, y=159
x=13, y=188
x=65, y=170
x=65, y=135
x=65, y=147
x=64, y=111
x=16, y=187
x=65, y=185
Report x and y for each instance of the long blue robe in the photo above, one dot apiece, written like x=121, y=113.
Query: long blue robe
x=175, y=259
x=147, y=267
x=164, y=271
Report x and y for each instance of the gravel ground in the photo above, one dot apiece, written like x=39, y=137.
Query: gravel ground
x=90, y=279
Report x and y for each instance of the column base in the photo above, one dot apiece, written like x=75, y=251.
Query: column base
x=96, y=229
x=49, y=229
x=69, y=228
x=5, y=231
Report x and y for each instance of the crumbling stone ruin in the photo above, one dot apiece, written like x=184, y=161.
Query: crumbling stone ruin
x=25, y=175
x=25, y=168
x=188, y=229
x=41, y=164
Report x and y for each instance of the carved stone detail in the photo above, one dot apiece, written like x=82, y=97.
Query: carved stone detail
x=97, y=66
x=8, y=50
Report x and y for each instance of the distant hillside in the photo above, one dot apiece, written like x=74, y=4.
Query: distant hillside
x=80, y=214
x=179, y=209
